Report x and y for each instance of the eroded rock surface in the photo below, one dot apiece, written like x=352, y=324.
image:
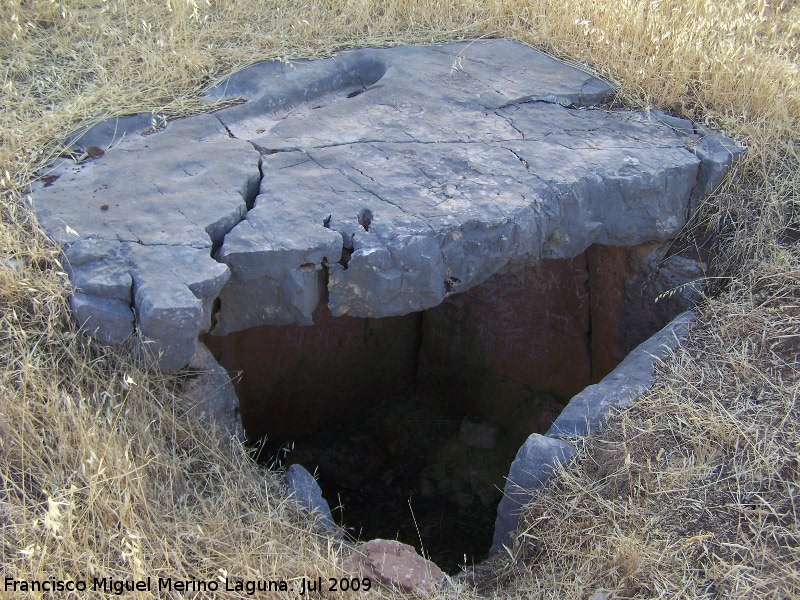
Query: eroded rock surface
x=138, y=225
x=386, y=181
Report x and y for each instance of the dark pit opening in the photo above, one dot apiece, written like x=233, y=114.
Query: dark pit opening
x=411, y=422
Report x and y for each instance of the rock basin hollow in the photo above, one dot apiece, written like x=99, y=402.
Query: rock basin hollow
x=425, y=412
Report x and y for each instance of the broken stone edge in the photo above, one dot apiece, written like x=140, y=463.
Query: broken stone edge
x=302, y=486
x=540, y=456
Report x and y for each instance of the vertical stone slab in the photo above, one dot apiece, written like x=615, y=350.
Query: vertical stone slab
x=625, y=282
x=299, y=378
x=535, y=463
x=210, y=394
x=500, y=343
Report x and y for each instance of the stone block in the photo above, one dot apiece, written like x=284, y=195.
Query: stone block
x=477, y=434
x=394, y=177
x=395, y=565
x=108, y=320
x=717, y=155
x=303, y=487
x=169, y=318
x=211, y=396
x=537, y=460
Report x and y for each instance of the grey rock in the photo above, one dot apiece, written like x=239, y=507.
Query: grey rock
x=680, y=277
x=106, y=278
x=174, y=290
x=211, y=394
x=447, y=164
x=276, y=255
x=537, y=460
x=191, y=267
x=395, y=177
x=717, y=154
x=680, y=125
x=97, y=267
x=185, y=186
x=587, y=411
x=108, y=320
x=169, y=318
x=305, y=489
x=504, y=72
x=109, y=132
x=274, y=88
x=83, y=252
x=147, y=214
x=170, y=280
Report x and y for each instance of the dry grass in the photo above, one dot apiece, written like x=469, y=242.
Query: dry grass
x=101, y=475
x=694, y=492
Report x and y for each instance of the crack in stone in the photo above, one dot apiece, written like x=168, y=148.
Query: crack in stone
x=230, y=133
x=524, y=162
x=508, y=120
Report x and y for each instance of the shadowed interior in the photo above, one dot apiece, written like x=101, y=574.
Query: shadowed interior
x=424, y=413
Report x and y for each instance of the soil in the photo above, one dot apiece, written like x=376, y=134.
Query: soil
x=405, y=470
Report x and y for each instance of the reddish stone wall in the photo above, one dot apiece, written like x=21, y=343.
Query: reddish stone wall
x=624, y=287
x=511, y=344
x=297, y=379
x=512, y=350
x=608, y=269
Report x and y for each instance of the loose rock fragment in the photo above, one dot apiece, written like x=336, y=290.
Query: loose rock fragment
x=395, y=565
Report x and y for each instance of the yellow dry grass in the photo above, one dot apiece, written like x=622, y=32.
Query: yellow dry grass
x=100, y=474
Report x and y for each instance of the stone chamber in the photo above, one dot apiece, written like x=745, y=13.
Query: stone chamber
x=411, y=422
x=408, y=259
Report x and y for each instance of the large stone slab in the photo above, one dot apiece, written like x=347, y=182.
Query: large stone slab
x=409, y=174
x=537, y=461
x=386, y=181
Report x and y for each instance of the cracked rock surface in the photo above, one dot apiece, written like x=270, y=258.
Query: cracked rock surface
x=138, y=225
x=400, y=176
x=379, y=181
